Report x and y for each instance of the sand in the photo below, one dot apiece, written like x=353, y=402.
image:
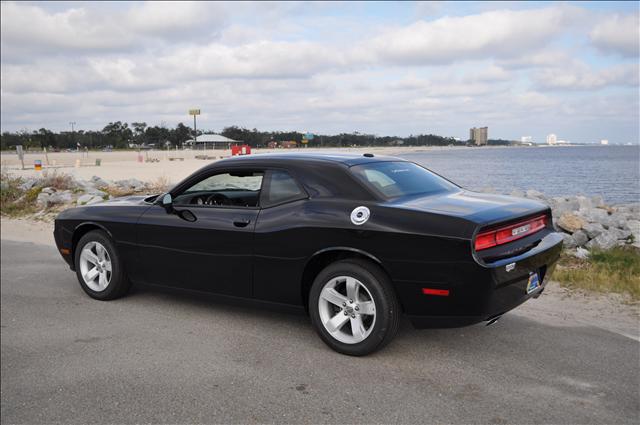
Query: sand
x=124, y=164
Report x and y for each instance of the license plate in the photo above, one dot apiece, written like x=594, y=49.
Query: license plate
x=533, y=283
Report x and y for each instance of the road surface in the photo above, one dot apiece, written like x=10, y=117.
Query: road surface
x=164, y=357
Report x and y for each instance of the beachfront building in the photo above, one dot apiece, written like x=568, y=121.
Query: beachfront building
x=210, y=141
x=479, y=135
x=552, y=139
x=604, y=142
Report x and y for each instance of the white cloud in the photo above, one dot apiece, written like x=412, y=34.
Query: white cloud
x=499, y=33
x=618, y=34
x=582, y=77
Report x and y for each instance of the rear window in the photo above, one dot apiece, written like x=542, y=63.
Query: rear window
x=395, y=179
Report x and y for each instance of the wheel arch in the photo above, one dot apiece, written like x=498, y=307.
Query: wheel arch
x=81, y=230
x=321, y=259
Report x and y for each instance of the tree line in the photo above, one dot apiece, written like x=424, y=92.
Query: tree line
x=119, y=135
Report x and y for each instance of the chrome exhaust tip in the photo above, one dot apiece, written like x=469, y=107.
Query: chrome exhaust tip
x=493, y=320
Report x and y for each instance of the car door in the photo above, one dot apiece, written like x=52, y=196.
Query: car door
x=206, y=242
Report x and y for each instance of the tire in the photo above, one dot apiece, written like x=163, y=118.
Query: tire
x=102, y=250
x=330, y=307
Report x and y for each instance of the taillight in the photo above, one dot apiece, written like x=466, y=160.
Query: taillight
x=512, y=232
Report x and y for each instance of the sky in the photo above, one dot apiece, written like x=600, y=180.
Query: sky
x=383, y=68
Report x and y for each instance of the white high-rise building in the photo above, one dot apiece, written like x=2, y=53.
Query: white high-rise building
x=552, y=139
x=604, y=142
x=526, y=139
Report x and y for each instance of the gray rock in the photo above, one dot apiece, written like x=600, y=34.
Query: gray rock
x=99, y=182
x=597, y=201
x=562, y=205
x=634, y=227
x=584, y=203
x=620, y=234
x=64, y=197
x=580, y=238
x=604, y=241
x=532, y=193
x=568, y=242
x=42, y=200
x=48, y=190
x=594, y=215
x=89, y=199
x=131, y=183
x=593, y=229
x=28, y=183
x=517, y=193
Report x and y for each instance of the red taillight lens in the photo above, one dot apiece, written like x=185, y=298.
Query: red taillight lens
x=510, y=233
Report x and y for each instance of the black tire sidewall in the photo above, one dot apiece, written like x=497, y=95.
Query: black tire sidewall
x=380, y=289
x=118, y=279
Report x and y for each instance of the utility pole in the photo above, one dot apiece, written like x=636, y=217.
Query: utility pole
x=73, y=138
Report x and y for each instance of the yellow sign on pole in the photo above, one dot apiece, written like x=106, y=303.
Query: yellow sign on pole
x=194, y=112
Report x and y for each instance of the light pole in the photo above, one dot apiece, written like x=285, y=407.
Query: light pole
x=194, y=112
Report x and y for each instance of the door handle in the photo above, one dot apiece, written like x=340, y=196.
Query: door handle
x=241, y=222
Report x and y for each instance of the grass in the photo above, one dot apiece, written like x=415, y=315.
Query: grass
x=616, y=270
x=15, y=201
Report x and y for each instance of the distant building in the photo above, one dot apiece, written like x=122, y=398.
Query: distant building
x=552, y=139
x=210, y=141
x=526, y=140
x=479, y=135
x=604, y=142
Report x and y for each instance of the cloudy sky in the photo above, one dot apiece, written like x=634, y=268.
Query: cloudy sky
x=381, y=68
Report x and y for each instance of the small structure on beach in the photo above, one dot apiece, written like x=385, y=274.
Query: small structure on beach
x=210, y=141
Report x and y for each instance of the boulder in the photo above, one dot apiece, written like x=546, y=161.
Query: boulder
x=604, y=241
x=131, y=183
x=517, y=193
x=28, y=183
x=568, y=242
x=42, y=200
x=562, y=205
x=48, y=190
x=620, y=234
x=570, y=222
x=88, y=199
x=594, y=215
x=64, y=197
x=580, y=238
x=593, y=229
x=532, y=193
x=597, y=201
x=584, y=203
x=99, y=182
x=634, y=227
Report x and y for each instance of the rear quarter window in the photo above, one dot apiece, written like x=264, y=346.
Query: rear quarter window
x=281, y=187
x=394, y=179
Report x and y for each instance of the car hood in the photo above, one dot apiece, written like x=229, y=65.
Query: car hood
x=480, y=208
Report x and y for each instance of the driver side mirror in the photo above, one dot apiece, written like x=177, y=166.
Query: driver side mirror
x=167, y=203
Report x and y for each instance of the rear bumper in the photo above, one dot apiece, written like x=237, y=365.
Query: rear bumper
x=481, y=292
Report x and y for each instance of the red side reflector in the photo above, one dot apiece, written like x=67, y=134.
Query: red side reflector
x=440, y=292
x=65, y=251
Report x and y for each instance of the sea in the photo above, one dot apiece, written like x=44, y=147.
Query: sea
x=612, y=172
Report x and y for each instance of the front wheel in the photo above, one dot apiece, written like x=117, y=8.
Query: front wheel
x=354, y=307
x=99, y=267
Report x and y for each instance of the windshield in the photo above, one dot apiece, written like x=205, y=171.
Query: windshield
x=398, y=178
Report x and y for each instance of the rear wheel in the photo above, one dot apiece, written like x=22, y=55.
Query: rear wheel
x=353, y=307
x=99, y=267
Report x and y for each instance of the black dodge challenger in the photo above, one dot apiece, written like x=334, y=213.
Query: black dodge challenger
x=356, y=240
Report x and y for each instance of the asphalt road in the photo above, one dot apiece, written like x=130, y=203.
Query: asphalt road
x=160, y=357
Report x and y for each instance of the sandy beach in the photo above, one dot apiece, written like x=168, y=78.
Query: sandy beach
x=170, y=165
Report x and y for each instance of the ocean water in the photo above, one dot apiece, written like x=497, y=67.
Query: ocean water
x=610, y=171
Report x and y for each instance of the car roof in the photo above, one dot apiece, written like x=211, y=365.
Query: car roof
x=347, y=159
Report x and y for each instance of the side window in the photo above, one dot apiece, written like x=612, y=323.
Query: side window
x=281, y=188
x=234, y=189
